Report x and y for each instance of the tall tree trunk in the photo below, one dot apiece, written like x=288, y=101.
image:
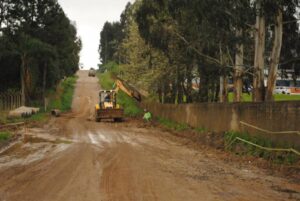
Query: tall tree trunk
x=223, y=94
x=167, y=92
x=203, y=88
x=275, y=57
x=174, y=92
x=179, y=90
x=105, y=51
x=22, y=78
x=216, y=92
x=44, y=86
x=239, y=69
x=259, y=63
x=189, y=85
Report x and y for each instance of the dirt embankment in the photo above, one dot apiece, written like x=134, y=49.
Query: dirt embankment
x=72, y=158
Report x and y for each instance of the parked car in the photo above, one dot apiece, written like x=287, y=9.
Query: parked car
x=282, y=90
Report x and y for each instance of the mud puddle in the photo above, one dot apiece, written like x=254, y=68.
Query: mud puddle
x=34, y=145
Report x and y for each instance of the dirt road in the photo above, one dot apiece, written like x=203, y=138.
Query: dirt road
x=74, y=159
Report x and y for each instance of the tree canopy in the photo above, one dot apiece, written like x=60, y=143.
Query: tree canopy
x=39, y=44
x=190, y=51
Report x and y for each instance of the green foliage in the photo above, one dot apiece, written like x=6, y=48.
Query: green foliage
x=242, y=148
x=130, y=105
x=39, y=117
x=111, y=35
x=60, y=99
x=284, y=97
x=201, y=130
x=64, y=95
x=112, y=67
x=143, y=66
x=277, y=97
x=105, y=80
x=173, y=125
x=167, y=46
x=38, y=43
x=245, y=97
x=68, y=90
x=5, y=135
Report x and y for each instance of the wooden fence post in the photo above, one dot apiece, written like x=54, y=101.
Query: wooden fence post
x=10, y=101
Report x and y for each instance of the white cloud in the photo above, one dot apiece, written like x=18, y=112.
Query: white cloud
x=90, y=16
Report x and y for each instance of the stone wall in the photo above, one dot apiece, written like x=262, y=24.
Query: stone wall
x=256, y=118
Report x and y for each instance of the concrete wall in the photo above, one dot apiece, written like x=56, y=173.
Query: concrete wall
x=271, y=116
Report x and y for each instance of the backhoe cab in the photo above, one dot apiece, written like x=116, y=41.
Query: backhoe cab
x=108, y=107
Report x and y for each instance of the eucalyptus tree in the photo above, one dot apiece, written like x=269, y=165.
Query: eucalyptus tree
x=271, y=17
x=27, y=48
x=210, y=40
x=110, y=37
x=205, y=32
x=285, y=12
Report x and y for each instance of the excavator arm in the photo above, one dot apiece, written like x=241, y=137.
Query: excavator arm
x=130, y=91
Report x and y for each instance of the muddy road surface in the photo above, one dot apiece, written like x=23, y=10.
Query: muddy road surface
x=74, y=159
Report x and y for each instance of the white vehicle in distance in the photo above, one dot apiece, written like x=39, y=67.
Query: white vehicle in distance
x=282, y=90
x=283, y=86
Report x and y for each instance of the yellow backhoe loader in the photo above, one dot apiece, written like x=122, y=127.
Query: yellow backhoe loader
x=107, y=108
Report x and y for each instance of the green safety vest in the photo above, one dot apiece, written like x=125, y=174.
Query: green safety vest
x=147, y=116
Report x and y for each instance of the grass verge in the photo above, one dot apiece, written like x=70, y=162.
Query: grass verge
x=238, y=147
x=39, y=117
x=4, y=136
x=242, y=148
x=278, y=97
x=173, y=125
x=63, y=97
x=60, y=99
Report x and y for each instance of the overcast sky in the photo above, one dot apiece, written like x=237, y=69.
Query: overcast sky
x=90, y=16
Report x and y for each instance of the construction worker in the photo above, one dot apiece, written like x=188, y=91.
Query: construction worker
x=107, y=97
x=147, y=116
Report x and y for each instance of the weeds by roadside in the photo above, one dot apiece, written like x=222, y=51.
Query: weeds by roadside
x=278, y=97
x=64, y=95
x=39, y=117
x=243, y=148
x=60, y=99
x=5, y=135
x=172, y=124
x=130, y=105
x=105, y=80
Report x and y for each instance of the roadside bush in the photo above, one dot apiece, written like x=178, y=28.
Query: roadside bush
x=64, y=94
x=172, y=124
x=242, y=148
x=4, y=136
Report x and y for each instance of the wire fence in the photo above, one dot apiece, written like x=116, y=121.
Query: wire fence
x=10, y=100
